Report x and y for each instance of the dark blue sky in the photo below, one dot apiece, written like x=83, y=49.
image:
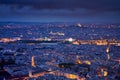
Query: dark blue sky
x=86, y=11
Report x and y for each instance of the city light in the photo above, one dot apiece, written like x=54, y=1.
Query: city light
x=59, y=52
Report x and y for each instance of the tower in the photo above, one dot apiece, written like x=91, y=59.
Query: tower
x=32, y=61
x=30, y=73
x=107, y=51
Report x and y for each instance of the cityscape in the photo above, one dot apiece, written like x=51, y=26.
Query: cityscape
x=59, y=39
x=59, y=51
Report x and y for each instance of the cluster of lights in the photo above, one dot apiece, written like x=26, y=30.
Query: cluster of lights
x=5, y=40
x=102, y=72
x=81, y=62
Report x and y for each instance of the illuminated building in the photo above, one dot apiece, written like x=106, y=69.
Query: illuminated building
x=103, y=72
x=87, y=62
x=76, y=42
x=79, y=62
x=70, y=39
x=33, y=62
x=30, y=73
x=79, y=25
x=107, y=51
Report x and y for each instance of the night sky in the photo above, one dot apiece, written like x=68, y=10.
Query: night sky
x=85, y=11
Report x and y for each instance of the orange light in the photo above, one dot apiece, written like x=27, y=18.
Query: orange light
x=105, y=73
x=32, y=63
x=72, y=76
x=87, y=62
x=79, y=62
x=75, y=42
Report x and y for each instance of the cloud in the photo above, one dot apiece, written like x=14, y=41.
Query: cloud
x=87, y=10
x=95, y=5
